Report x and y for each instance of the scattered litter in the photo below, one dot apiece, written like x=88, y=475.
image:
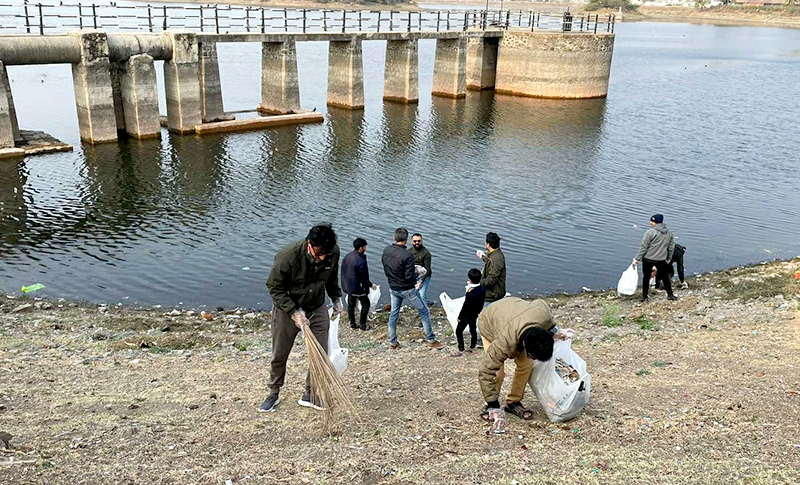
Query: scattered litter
x=760, y=374
x=228, y=482
x=32, y=288
x=246, y=268
x=566, y=371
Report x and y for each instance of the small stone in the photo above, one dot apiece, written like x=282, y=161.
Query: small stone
x=43, y=305
x=213, y=395
x=190, y=313
x=193, y=406
x=133, y=406
x=166, y=329
x=174, y=313
x=251, y=315
x=22, y=308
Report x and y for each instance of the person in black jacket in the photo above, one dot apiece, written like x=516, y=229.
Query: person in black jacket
x=398, y=264
x=355, y=282
x=677, y=258
x=473, y=304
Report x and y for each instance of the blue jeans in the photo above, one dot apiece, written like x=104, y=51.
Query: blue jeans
x=423, y=292
x=413, y=298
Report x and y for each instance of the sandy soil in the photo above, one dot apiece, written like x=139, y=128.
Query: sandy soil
x=703, y=390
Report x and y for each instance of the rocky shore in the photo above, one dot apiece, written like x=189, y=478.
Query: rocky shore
x=702, y=390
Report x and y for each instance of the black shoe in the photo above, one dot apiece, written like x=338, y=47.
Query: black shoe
x=366, y=327
x=270, y=403
x=644, y=299
x=311, y=401
x=672, y=298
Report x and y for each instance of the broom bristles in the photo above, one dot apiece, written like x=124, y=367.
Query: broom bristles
x=325, y=381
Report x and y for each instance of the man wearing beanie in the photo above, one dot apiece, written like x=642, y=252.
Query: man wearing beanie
x=656, y=250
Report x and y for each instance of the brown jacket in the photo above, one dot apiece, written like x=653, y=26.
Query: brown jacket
x=296, y=281
x=494, y=275
x=502, y=323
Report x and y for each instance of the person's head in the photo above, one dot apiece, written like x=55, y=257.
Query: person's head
x=401, y=235
x=474, y=276
x=416, y=240
x=538, y=344
x=321, y=241
x=360, y=245
x=656, y=219
x=492, y=241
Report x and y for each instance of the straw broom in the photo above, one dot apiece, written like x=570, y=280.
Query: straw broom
x=325, y=381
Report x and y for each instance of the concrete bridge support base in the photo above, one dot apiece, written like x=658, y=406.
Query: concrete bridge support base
x=401, y=76
x=210, y=85
x=182, y=83
x=9, y=129
x=140, y=97
x=450, y=68
x=346, y=74
x=482, y=62
x=280, y=90
x=91, y=78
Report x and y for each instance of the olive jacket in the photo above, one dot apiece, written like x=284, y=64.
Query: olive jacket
x=297, y=282
x=494, y=275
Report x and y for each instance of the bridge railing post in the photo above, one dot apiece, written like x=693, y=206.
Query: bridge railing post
x=41, y=20
x=94, y=15
x=344, y=20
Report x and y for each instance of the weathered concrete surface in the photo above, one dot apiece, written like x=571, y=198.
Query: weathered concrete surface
x=554, y=64
x=259, y=123
x=94, y=98
x=116, y=69
x=9, y=129
x=11, y=153
x=280, y=91
x=401, y=75
x=182, y=83
x=482, y=62
x=450, y=68
x=39, y=142
x=338, y=36
x=140, y=97
x=346, y=74
x=210, y=84
x=123, y=46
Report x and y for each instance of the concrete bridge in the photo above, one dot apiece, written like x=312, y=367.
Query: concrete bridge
x=116, y=91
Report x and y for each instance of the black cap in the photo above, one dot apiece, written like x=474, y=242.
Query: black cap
x=657, y=218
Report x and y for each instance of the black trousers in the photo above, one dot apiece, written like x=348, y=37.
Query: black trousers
x=663, y=274
x=677, y=259
x=473, y=334
x=351, y=309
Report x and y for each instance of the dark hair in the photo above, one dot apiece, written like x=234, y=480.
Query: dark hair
x=493, y=240
x=359, y=243
x=401, y=234
x=416, y=234
x=322, y=236
x=474, y=275
x=538, y=344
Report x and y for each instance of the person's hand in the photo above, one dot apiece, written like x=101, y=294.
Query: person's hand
x=634, y=262
x=498, y=418
x=374, y=287
x=480, y=254
x=338, y=308
x=564, y=334
x=669, y=261
x=418, y=285
x=300, y=319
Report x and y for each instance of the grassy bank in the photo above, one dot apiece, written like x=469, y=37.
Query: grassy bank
x=703, y=390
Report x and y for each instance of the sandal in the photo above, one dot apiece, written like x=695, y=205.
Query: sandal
x=485, y=414
x=517, y=409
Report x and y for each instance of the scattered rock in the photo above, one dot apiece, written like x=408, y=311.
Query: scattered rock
x=174, y=313
x=43, y=305
x=5, y=438
x=251, y=315
x=191, y=313
x=22, y=308
x=133, y=406
x=193, y=406
x=166, y=329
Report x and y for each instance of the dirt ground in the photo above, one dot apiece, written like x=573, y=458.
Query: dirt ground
x=703, y=390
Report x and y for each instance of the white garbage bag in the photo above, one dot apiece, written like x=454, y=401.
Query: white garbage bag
x=451, y=308
x=628, y=281
x=374, y=299
x=336, y=354
x=561, y=401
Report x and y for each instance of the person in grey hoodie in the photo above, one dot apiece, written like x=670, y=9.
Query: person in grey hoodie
x=656, y=250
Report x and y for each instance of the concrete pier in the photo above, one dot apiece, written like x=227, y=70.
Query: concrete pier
x=554, y=64
x=482, y=62
x=450, y=68
x=182, y=83
x=280, y=90
x=94, y=99
x=9, y=129
x=140, y=97
x=346, y=74
x=210, y=85
x=401, y=75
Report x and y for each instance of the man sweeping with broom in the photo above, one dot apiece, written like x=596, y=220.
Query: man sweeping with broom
x=303, y=272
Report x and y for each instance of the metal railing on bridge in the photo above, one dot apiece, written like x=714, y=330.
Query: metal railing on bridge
x=43, y=18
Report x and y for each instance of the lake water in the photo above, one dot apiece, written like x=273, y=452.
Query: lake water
x=700, y=124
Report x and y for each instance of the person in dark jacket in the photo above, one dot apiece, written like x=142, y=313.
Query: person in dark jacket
x=468, y=316
x=494, y=269
x=658, y=245
x=677, y=258
x=398, y=264
x=356, y=283
x=303, y=272
x=422, y=257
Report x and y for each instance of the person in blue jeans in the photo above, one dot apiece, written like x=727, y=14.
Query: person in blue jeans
x=398, y=264
x=422, y=257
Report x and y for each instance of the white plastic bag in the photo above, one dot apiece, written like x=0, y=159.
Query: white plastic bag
x=374, y=299
x=561, y=401
x=628, y=281
x=451, y=308
x=336, y=354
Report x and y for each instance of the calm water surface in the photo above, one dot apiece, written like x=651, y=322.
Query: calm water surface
x=700, y=124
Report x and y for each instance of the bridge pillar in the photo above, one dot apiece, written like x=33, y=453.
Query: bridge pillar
x=9, y=129
x=91, y=79
x=401, y=76
x=280, y=90
x=182, y=83
x=450, y=68
x=346, y=74
x=482, y=62
x=140, y=97
x=210, y=85
x=116, y=69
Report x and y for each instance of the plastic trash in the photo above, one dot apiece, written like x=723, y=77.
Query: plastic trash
x=561, y=401
x=628, y=281
x=336, y=354
x=451, y=308
x=32, y=288
x=374, y=298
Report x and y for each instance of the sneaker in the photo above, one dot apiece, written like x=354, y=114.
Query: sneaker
x=435, y=345
x=470, y=351
x=394, y=346
x=311, y=401
x=366, y=327
x=458, y=353
x=270, y=403
x=684, y=286
x=644, y=299
x=672, y=298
